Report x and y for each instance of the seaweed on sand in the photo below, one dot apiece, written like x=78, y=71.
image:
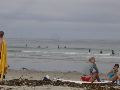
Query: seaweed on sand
x=26, y=82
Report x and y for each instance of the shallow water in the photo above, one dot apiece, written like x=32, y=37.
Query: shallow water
x=44, y=54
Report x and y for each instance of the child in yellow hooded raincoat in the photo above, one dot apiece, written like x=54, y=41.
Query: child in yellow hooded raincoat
x=3, y=56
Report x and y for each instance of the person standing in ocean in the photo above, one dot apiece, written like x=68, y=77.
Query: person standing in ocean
x=89, y=50
x=113, y=52
x=3, y=56
x=101, y=52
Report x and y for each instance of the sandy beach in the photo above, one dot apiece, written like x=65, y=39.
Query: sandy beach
x=38, y=75
x=16, y=79
x=39, y=88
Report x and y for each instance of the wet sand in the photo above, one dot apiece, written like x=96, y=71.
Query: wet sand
x=38, y=75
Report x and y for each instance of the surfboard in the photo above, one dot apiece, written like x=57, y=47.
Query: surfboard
x=83, y=82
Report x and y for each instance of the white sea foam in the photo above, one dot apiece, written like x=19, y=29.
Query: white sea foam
x=31, y=51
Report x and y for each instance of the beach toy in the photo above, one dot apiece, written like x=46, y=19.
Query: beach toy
x=86, y=78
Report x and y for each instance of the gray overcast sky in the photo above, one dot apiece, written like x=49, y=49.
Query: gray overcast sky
x=64, y=19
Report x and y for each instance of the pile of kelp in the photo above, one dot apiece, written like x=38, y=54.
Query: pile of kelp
x=29, y=83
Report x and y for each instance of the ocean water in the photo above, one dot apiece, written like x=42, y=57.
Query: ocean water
x=44, y=54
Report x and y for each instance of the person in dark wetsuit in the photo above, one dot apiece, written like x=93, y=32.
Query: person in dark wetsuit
x=26, y=45
x=101, y=52
x=113, y=52
x=58, y=47
x=65, y=47
x=89, y=50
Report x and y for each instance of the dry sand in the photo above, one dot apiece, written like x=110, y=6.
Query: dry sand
x=39, y=88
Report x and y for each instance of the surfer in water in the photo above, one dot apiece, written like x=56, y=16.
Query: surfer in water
x=93, y=72
x=101, y=52
x=113, y=74
x=58, y=47
x=113, y=52
x=3, y=56
x=89, y=50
